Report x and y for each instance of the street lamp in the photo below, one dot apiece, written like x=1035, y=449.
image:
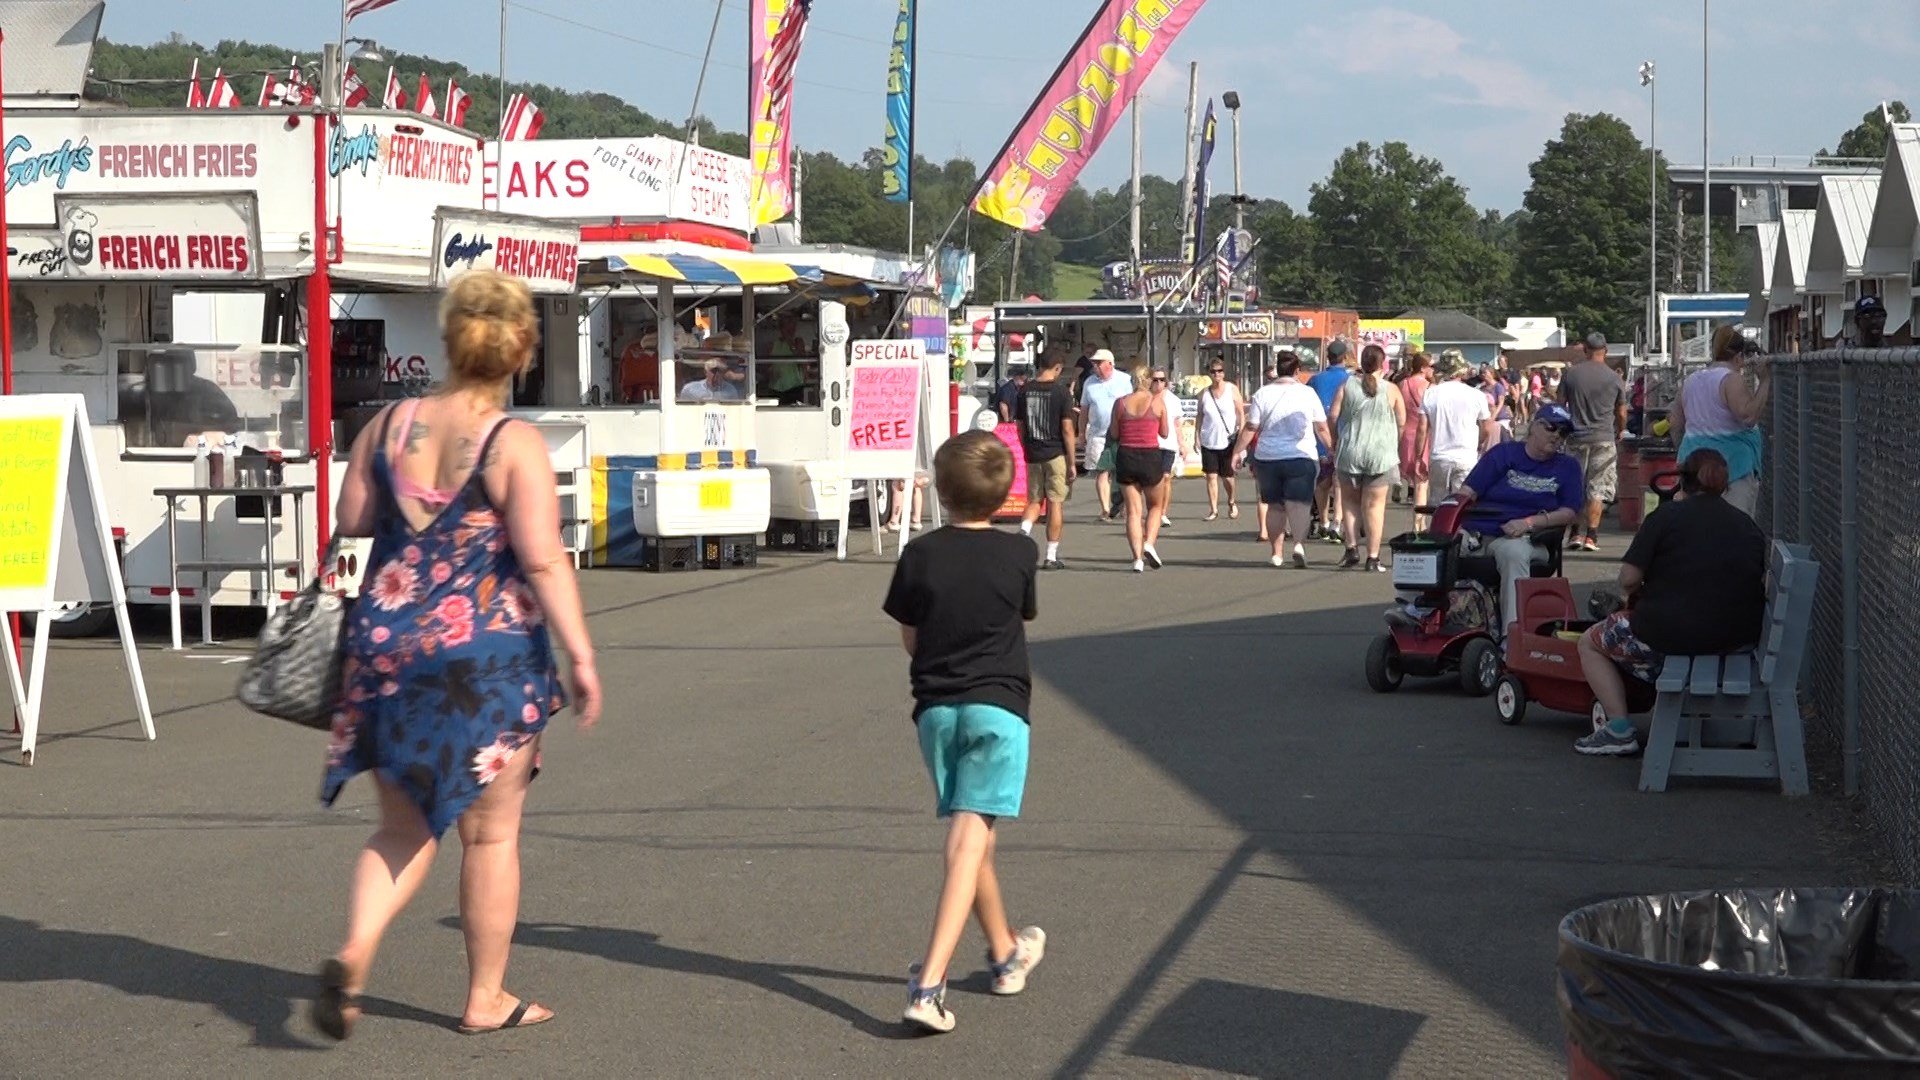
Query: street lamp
x=333, y=61
x=1653, y=207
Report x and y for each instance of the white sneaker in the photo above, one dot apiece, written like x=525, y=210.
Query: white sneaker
x=1276, y=561
x=1139, y=567
x=1153, y=557
x=1299, y=557
x=926, y=1006
x=1029, y=946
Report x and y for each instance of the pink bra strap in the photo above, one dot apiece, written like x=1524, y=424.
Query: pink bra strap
x=405, y=488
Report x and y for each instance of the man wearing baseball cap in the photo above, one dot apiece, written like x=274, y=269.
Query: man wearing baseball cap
x=1518, y=489
x=1456, y=424
x=1869, y=323
x=1596, y=398
x=1104, y=386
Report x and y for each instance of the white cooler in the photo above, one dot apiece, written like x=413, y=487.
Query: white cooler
x=807, y=490
x=701, y=502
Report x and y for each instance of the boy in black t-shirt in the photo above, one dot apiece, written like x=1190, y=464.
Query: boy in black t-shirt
x=962, y=595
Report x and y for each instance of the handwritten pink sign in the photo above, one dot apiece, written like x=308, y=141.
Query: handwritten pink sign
x=884, y=408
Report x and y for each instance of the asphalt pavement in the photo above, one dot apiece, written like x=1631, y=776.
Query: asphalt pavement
x=1246, y=862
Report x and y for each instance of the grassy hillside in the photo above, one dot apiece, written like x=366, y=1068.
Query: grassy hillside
x=1074, y=282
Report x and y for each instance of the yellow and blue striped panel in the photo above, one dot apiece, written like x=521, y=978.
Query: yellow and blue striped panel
x=714, y=269
x=691, y=461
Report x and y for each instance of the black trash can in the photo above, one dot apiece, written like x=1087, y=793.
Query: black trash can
x=1749, y=983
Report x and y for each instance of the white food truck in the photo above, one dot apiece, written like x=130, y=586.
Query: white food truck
x=204, y=276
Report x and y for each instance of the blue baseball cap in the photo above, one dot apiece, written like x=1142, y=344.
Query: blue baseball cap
x=1556, y=417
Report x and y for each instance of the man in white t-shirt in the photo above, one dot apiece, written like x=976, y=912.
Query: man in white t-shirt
x=1104, y=387
x=1456, y=424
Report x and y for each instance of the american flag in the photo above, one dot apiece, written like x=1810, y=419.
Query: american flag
x=423, y=102
x=355, y=92
x=457, y=103
x=783, y=53
x=521, y=120
x=395, y=98
x=195, y=100
x=222, y=95
x=357, y=8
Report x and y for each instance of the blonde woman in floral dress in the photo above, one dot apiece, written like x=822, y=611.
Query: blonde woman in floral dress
x=449, y=672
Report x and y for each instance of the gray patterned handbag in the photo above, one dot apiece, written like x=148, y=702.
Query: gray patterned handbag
x=294, y=673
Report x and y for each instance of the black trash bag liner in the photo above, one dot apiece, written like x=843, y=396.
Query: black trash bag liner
x=1749, y=983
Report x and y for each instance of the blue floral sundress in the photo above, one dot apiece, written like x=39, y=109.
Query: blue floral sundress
x=448, y=668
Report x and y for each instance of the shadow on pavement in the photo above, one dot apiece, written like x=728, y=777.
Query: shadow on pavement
x=261, y=998
x=644, y=949
x=1459, y=841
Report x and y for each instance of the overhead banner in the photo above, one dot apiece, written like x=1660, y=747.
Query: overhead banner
x=1396, y=336
x=773, y=45
x=187, y=237
x=1078, y=107
x=544, y=255
x=896, y=179
x=596, y=179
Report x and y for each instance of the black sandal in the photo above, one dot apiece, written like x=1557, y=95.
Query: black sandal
x=516, y=1018
x=330, y=1007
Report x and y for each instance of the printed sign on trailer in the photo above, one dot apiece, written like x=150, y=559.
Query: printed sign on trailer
x=160, y=237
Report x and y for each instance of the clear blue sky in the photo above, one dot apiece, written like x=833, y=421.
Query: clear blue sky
x=1480, y=86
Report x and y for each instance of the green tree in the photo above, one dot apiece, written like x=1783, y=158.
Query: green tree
x=1868, y=138
x=1392, y=230
x=1582, y=242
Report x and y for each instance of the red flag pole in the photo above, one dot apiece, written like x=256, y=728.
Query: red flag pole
x=6, y=325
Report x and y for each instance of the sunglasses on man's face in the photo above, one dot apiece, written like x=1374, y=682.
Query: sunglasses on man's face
x=1217, y=371
x=1159, y=378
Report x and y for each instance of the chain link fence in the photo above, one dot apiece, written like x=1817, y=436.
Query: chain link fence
x=1843, y=477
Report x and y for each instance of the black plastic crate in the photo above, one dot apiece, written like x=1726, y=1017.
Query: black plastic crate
x=729, y=552
x=789, y=534
x=669, y=554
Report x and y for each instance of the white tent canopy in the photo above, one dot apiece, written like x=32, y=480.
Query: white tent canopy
x=1788, y=279
x=1896, y=224
x=1840, y=224
x=1760, y=273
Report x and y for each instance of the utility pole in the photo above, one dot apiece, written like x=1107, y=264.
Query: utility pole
x=799, y=231
x=1013, y=274
x=1232, y=100
x=1706, y=160
x=1187, y=239
x=1647, y=75
x=1135, y=216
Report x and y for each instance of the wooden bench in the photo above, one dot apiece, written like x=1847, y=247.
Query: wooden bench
x=1739, y=715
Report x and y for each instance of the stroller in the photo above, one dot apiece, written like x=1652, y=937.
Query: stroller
x=1451, y=626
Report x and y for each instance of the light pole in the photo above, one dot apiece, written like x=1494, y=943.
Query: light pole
x=1706, y=160
x=1653, y=207
x=1231, y=99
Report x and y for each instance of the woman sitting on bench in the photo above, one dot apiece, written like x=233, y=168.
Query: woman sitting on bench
x=1695, y=582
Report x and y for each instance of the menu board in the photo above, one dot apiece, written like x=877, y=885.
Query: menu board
x=883, y=417
x=31, y=452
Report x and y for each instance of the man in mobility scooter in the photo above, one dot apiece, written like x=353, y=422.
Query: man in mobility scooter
x=1506, y=523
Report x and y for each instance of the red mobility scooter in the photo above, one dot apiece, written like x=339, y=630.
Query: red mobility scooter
x=1543, y=652
x=1449, y=628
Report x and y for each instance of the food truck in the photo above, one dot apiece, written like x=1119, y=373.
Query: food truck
x=225, y=279
x=710, y=374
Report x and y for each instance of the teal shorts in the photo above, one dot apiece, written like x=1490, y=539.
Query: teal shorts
x=977, y=755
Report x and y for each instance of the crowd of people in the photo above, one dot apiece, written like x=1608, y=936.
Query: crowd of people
x=1327, y=450
x=450, y=675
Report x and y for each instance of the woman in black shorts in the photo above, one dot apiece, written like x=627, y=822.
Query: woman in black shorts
x=1283, y=424
x=1140, y=421
x=1222, y=414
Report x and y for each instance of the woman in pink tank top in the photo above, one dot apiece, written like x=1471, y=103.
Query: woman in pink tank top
x=1140, y=421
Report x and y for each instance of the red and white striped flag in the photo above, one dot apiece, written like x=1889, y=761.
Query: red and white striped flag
x=522, y=119
x=270, y=92
x=354, y=92
x=195, y=100
x=395, y=98
x=783, y=53
x=222, y=95
x=357, y=8
x=457, y=104
x=423, y=102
